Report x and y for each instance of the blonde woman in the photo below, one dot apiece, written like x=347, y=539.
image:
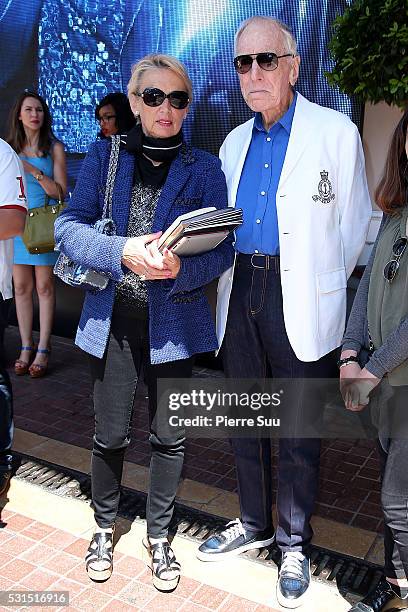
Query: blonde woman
x=154, y=309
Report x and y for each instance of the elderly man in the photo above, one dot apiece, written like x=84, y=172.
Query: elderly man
x=13, y=208
x=297, y=171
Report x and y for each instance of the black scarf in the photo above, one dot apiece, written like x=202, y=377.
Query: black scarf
x=157, y=149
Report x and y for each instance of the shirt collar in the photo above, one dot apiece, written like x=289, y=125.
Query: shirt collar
x=285, y=121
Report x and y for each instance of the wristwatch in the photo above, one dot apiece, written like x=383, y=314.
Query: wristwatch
x=39, y=176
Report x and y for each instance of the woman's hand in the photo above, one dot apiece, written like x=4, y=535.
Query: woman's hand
x=29, y=168
x=356, y=392
x=348, y=374
x=138, y=257
x=172, y=262
x=350, y=371
x=60, y=173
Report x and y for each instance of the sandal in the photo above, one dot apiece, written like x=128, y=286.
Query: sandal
x=21, y=367
x=164, y=565
x=99, y=556
x=38, y=370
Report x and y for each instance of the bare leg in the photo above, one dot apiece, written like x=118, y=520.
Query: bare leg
x=45, y=285
x=23, y=288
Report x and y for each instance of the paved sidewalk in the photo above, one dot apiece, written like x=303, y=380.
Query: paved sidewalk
x=44, y=536
x=59, y=406
x=36, y=556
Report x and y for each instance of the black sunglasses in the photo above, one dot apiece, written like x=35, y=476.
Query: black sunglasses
x=398, y=249
x=266, y=61
x=152, y=96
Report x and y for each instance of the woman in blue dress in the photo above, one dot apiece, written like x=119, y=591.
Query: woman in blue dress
x=43, y=158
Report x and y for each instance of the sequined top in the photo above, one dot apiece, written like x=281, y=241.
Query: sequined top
x=131, y=292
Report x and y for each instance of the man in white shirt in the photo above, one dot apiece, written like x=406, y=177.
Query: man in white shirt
x=13, y=208
x=297, y=171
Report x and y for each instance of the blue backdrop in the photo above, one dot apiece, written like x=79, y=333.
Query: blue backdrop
x=76, y=51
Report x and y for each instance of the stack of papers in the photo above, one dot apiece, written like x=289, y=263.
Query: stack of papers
x=200, y=231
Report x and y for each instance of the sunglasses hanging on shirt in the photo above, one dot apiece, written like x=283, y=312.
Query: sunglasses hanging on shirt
x=398, y=249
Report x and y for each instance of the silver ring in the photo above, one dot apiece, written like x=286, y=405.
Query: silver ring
x=143, y=277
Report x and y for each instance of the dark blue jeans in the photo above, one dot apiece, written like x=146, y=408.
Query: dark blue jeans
x=257, y=346
x=6, y=399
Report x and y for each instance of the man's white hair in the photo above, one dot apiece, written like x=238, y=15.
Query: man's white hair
x=288, y=37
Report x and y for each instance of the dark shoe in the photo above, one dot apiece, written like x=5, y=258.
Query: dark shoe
x=99, y=556
x=164, y=565
x=4, y=480
x=233, y=540
x=294, y=579
x=382, y=599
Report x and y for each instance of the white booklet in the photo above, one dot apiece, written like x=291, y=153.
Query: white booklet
x=200, y=231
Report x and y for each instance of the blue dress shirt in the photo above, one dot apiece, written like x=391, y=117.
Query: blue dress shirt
x=259, y=183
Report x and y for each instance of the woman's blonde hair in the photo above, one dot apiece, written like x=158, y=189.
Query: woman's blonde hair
x=158, y=60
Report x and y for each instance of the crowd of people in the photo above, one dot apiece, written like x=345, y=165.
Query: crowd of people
x=306, y=210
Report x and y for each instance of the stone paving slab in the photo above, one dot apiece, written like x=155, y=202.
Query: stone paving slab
x=48, y=561
x=59, y=407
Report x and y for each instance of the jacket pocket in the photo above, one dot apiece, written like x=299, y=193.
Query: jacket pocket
x=188, y=297
x=189, y=203
x=331, y=302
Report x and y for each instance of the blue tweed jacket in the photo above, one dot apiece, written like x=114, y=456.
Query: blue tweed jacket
x=180, y=321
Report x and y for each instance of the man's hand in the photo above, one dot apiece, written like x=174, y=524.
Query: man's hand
x=143, y=261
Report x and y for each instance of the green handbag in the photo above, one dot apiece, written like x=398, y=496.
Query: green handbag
x=38, y=234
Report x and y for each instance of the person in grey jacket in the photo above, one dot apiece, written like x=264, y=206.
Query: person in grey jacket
x=380, y=317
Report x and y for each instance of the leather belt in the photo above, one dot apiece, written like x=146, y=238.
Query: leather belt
x=260, y=261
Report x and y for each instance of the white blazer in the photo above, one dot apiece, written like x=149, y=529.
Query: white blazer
x=324, y=210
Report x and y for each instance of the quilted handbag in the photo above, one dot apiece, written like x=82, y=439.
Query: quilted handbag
x=75, y=274
x=38, y=234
